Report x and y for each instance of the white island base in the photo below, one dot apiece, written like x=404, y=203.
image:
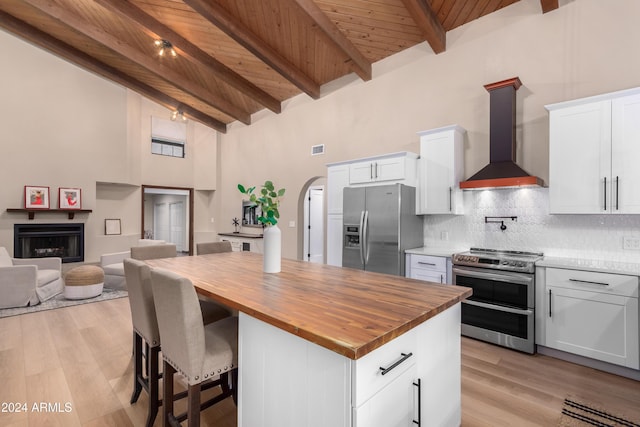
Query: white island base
x=287, y=381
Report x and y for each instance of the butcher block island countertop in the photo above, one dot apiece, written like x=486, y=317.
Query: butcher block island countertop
x=347, y=311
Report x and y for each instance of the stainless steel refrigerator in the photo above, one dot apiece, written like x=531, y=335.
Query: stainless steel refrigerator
x=379, y=224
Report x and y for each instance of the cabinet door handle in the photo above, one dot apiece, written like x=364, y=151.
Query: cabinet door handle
x=441, y=279
x=605, y=193
x=549, y=302
x=450, y=200
x=589, y=282
x=426, y=263
x=419, y=386
x=404, y=357
x=617, y=191
x=371, y=170
x=376, y=169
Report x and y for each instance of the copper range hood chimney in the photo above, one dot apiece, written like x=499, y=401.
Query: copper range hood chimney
x=502, y=170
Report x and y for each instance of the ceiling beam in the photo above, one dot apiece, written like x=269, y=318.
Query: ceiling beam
x=57, y=47
x=188, y=50
x=245, y=37
x=548, y=5
x=150, y=64
x=427, y=20
x=359, y=64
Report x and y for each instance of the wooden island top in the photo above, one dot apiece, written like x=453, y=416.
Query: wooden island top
x=348, y=311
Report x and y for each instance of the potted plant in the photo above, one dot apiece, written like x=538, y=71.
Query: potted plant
x=268, y=200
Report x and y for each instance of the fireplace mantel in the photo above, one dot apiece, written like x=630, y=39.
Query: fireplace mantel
x=32, y=212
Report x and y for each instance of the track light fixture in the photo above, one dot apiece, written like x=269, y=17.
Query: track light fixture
x=178, y=115
x=165, y=47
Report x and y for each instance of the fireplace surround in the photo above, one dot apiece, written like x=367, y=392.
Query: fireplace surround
x=49, y=240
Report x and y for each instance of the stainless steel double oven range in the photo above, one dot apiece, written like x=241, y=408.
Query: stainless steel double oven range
x=502, y=308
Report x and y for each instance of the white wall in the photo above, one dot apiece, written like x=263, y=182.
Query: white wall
x=583, y=48
x=65, y=127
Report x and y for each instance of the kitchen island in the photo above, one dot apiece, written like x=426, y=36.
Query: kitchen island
x=313, y=340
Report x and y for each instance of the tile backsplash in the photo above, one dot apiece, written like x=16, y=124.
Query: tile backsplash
x=597, y=237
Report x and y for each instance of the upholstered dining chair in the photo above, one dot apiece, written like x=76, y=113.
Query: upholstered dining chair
x=200, y=353
x=213, y=247
x=145, y=328
x=164, y=250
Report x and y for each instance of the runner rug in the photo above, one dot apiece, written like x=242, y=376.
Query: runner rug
x=576, y=413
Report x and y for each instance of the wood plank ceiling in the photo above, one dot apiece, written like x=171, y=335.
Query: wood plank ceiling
x=236, y=57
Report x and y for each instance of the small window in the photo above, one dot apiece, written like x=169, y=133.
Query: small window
x=167, y=148
x=168, y=138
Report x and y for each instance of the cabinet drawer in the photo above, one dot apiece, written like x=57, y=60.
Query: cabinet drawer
x=428, y=262
x=615, y=284
x=367, y=375
x=429, y=275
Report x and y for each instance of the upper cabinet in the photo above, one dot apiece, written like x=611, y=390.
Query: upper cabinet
x=594, y=150
x=440, y=170
x=399, y=167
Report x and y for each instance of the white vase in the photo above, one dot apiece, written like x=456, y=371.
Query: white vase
x=272, y=249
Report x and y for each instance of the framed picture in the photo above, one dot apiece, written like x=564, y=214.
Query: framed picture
x=69, y=198
x=36, y=197
x=112, y=226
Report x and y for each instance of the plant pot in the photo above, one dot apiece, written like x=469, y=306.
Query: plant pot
x=272, y=249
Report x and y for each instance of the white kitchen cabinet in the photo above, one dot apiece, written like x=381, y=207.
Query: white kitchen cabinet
x=440, y=170
x=334, y=240
x=239, y=244
x=398, y=167
x=337, y=179
x=593, y=154
x=287, y=381
x=428, y=268
x=592, y=314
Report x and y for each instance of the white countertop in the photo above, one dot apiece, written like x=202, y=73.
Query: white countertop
x=629, y=268
x=444, y=251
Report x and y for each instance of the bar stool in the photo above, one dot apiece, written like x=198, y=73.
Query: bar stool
x=145, y=328
x=200, y=353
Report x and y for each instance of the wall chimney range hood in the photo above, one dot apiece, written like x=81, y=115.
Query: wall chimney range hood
x=502, y=170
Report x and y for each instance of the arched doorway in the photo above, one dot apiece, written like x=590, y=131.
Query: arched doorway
x=311, y=214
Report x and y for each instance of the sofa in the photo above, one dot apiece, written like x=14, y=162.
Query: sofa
x=28, y=281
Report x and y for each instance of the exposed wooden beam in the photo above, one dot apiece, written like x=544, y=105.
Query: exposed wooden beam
x=427, y=21
x=245, y=37
x=70, y=53
x=150, y=64
x=188, y=50
x=359, y=64
x=548, y=5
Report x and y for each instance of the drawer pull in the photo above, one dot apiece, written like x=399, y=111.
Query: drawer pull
x=589, y=282
x=427, y=263
x=419, y=386
x=404, y=357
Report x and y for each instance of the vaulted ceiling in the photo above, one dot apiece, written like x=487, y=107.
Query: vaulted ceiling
x=235, y=57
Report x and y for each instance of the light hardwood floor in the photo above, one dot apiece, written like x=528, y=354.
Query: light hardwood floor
x=82, y=355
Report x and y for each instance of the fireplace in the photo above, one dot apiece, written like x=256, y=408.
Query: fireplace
x=65, y=241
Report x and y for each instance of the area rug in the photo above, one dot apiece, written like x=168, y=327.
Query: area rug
x=576, y=413
x=60, y=301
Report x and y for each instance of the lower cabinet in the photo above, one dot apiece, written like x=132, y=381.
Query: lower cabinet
x=428, y=268
x=334, y=240
x=239, y=244
x=287, y=381
x=593, y=315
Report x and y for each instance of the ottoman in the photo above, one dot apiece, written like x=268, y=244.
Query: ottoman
x=83, y=282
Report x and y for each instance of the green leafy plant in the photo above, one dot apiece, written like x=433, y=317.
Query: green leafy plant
x=268, y=199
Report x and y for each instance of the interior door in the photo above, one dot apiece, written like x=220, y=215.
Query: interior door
x=382, y=229
x=176, y=225
x=161, y=221
x=314, y=239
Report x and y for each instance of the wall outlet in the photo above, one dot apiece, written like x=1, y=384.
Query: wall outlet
x=444, y=235
x=292, y=224
x=631, y=243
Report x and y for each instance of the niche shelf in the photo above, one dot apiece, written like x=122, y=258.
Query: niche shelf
x=31, y=213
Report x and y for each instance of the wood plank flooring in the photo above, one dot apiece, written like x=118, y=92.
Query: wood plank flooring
x=81, y=355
